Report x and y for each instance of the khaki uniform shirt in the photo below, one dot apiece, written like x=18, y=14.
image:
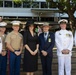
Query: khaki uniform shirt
x=3, y=41
x=15, y=40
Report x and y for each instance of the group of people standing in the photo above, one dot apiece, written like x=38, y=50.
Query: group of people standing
x=31, y=43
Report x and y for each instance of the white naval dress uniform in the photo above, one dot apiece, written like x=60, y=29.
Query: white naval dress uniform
x=0, y=45
x=64, y=40
x=75, y=38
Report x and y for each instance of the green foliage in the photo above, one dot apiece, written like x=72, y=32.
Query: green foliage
x=19, y=1
x=62, y=4
x=65, y=6
x=74, y=1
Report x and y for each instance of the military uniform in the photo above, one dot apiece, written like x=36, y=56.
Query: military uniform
x=75, y=38
x=64, y=41
x=3, y=59
x=16, y=41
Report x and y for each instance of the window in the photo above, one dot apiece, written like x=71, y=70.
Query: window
x=28, y=18
x=10, y=18
x=7, y=3
x=1, y=3
x=35, y=5
x=24, y=18
x=44, y=5
x=16, y=5
x=35, y=18
x=47, y=19
x=26, y=5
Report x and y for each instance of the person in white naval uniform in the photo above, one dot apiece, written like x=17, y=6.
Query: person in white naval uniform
x=64, y=44
x=74, y=38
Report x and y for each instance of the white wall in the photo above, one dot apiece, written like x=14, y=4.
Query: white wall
x=22, y=12
x=27, y=12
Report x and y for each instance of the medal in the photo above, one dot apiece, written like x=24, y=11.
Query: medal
x=68, y=35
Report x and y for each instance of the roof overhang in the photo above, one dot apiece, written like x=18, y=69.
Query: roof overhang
x=44, y=10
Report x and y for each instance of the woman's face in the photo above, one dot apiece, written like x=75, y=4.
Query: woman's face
x=31, y=27
x=63, y=25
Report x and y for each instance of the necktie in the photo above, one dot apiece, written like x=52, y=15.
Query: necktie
x=45, y=36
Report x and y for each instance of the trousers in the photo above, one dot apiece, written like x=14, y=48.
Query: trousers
x=3, y=64
x=64, y=62
x=14, y=64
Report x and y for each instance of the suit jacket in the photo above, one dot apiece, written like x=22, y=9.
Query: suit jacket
x=47, y=45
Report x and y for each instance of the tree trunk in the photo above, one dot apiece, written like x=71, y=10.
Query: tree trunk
x=72, y=21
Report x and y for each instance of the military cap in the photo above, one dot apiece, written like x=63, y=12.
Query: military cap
x=63, y=21
x=16, y=23
x=3, y=24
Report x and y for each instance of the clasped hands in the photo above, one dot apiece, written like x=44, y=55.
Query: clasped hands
x=65, y=51
x=17, y=53
x=3, y=53
x=44, y=53
x=34, y=52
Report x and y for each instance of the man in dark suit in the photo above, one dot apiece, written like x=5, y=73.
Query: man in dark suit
x=46, y=44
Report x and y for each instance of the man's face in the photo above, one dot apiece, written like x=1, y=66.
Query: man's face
x=63, y=25
x=2, y=29
x=45, y=28
x=0, y=19
x=15, y=27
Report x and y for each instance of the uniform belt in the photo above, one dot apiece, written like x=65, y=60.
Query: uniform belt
x=17, y=50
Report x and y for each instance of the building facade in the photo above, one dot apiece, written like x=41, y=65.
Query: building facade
x=38, y=10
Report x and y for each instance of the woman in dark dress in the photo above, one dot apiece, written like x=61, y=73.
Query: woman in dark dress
x=30, y=62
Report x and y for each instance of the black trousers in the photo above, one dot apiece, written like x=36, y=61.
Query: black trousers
x=46, y=64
